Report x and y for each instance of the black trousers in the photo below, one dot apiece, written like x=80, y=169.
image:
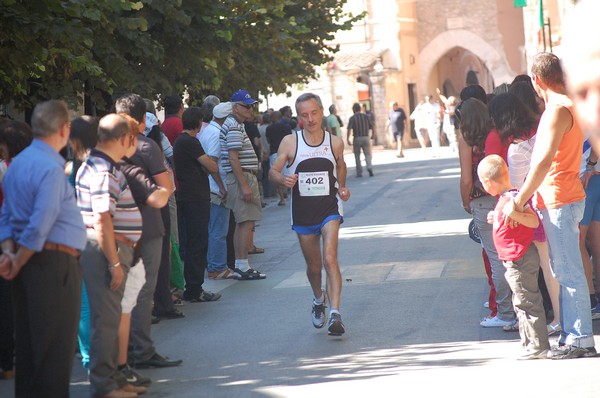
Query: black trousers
x=162, y=294
x=196, y=216
x=7, y=329
x=47, y=301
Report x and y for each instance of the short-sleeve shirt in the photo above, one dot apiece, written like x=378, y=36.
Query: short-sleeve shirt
x=139, y=182
x=360, y=124
x=511, y=242
x=172, y=127
x=334, y=123
x=193, y=180
x=210, y=141
x=101, y=187
x=149, y=157
x=275, y=134
x=234, y=138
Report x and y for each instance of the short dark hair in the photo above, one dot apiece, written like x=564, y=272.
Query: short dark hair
x=356, y=107
x=191, y=118
x=85, y=130
x=172, y=104
x=331, y=108
x=548, y=68
x=288, y=108
x=16, y=136
x=131, y=104
x=266, y=117
x=473, y=91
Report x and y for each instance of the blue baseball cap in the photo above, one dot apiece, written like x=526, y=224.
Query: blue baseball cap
x=243, y=96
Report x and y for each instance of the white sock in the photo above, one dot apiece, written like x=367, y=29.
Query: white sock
x=334, y=311
x=320, y=300
x=242, y=264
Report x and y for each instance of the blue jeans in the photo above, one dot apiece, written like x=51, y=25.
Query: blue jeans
x=84, y=329
x=562, y=231
x=217, y=238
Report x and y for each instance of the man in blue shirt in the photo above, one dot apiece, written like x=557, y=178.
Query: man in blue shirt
x=42, y=233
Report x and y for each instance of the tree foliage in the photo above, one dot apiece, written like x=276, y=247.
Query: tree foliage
x=100, y=48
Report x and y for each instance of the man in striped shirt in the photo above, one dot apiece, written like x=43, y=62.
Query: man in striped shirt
x=359, y=125
x=114, y=225
x=240, y=163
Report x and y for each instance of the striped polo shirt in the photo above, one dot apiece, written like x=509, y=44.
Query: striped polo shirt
x=360, y=124
x=233, y=137
x=102, y=187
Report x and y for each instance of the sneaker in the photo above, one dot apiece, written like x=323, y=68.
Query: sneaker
x=495, y=322
x=596, y=312
x=134, y=378
x=204, y=297
x=486, y=304
x=513, y=327
x=534, y=354
x=336, y=327
x=319, y=317
x=571, y=352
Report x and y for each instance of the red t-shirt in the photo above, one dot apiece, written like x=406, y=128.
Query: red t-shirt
x=172, y=127
x=511, y=243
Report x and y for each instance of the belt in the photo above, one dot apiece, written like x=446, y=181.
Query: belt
x=126, y=241
x=61, y=248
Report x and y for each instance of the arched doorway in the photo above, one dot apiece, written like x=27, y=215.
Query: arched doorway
x=455, y=53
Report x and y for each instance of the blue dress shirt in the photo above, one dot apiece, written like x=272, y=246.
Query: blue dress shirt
x=39, y=204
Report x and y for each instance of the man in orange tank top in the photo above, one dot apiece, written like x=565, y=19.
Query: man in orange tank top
x=554, y=179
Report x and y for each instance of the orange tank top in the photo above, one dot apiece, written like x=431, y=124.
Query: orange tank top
x=562, y=184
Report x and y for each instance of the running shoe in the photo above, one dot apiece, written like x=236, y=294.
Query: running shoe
x=134, y=378
x=336, y=327
x=319, y=317
x=571, y=352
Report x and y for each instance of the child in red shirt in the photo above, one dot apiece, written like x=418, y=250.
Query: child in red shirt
x=513, y=237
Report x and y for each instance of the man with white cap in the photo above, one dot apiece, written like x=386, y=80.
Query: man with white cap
x=240, y=163
x=219, y=213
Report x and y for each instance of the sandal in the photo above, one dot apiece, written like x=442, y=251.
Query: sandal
x=553, y=328
x=249, y=275
x=256, y=250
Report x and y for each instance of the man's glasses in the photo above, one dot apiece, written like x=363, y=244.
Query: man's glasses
x=244, y=105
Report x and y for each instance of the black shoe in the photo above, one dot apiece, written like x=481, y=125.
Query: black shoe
x=157, y=361
x=155, y=320
x=571, y=352
x=204, y=297
x=134, y=378
x=336, y=327
x=370, y=173
x=173, y=314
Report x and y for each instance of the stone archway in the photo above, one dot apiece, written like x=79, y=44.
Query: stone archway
x=494, y=60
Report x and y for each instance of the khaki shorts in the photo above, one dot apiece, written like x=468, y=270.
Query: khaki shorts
x=242, y=210
x=135, y=281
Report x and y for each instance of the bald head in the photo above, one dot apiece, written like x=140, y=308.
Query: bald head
x=112, y=127
x=581, y=60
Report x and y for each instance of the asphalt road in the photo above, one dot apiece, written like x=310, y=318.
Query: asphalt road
x=412, y=300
